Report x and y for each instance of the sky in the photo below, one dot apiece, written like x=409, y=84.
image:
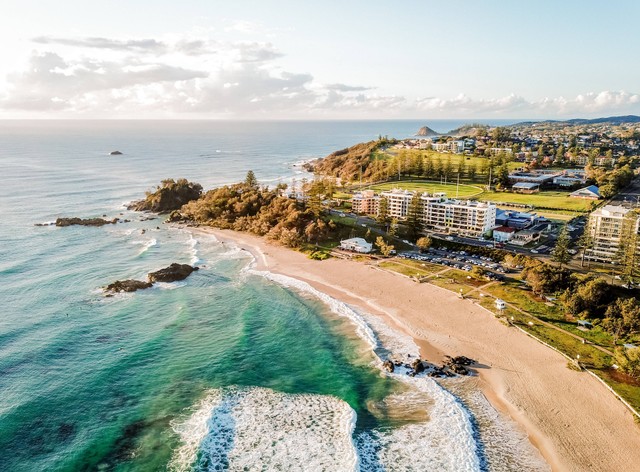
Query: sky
x=349, y=59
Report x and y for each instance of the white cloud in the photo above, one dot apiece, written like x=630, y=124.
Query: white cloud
x=204, y=76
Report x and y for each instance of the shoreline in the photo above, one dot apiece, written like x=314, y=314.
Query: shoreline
x=568, y=416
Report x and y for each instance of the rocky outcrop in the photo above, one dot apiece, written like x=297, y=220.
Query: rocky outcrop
x=417, y=366
x=169, y=196
x=127, y=286
x=85, y=222
x=425, y=131
x=115, y=153
x=172, y=273
x=388, y=366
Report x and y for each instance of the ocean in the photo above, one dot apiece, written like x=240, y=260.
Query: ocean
x=230, y=369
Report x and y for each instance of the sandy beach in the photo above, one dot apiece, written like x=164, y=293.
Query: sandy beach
x=574, y=421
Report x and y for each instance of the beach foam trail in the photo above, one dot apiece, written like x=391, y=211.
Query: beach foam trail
x=259, y=429
x=338, y=307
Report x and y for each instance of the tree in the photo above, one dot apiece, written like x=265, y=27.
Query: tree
x=472, y=170
x=560, y=154
x=383, y=211
x=418, y=166
x=502, y=176
x=585, y=242
x=429, y=171
x=385, y=249
x=500, y=134
x=250, y=180
x=560, y=253
x=629, y=360
x=447, y=170
x=424, y=243
x=413, y=214
x=393, y=228
x=622, y=318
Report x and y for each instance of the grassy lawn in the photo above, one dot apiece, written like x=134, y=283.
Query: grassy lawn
x=410, y=270
x=422, y=266
x=463, y=190
x=546, y=199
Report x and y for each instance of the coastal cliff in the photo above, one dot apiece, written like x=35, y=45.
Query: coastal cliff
x=169, y=195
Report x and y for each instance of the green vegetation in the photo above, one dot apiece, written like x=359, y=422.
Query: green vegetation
x=547, y=199
x=168, y=196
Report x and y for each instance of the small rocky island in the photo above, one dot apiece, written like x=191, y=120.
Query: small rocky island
x=85, y=222
x=173, y=273
x=427, y=132
x=115, y=153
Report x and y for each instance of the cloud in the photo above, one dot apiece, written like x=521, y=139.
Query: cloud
x=204, y=76
x=135, y=45
x=347, y=88
x=51, y=82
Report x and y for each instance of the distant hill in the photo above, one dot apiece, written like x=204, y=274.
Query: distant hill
x=614, y=120
x=473, y=129
x=425, y=131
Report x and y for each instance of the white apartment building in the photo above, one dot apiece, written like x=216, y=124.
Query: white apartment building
x=437, y=212
x=399, y=201
x=605, y=228
x=463, y=217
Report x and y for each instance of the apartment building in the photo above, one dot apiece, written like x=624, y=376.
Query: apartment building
x=365, y=202
x=605, y=228
x=436, y=212
x=464, y=217
x=399, y=201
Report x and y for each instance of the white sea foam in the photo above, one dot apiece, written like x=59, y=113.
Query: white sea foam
x=146, y=244
x=446, y=442
x=259, y=429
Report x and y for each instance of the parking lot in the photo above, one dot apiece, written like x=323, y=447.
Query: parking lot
x=460, y=260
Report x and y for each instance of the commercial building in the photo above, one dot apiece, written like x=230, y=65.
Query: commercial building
x=605, y=228
x=503, y=234
x=359, y=245
x=526, y=187
x=591, y=193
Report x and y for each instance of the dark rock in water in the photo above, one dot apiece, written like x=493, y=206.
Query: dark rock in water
x=85, y=222
x=417, y=366
x=127, y=286
x=388, y=366
x=44, y=224
x=172, y=273
x=115, y=153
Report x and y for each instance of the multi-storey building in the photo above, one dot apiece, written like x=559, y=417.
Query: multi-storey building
x=605, y=228
x=365, y=202
x=398, y=202
x=464, y=217
x=436, y=212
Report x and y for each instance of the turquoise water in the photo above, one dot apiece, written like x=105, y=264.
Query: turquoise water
x=225, y=370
